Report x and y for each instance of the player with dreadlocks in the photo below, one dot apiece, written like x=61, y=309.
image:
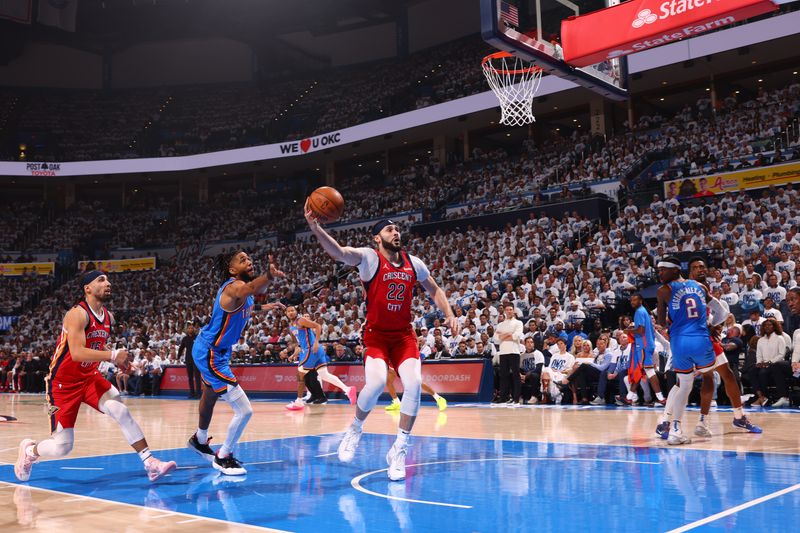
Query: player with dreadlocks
x=212, y=352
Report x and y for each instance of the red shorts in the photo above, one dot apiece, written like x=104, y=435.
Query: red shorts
x=718, y=349
x=65, y=399
x=394, y=347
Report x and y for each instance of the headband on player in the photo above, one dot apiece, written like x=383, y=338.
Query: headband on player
x=667, y=264
x=90, y=277
x=382, y=224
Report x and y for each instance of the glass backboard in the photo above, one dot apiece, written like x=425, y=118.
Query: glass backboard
x=531, y=29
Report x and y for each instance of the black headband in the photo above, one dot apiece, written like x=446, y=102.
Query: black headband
x=382, y=224
x=90, y=277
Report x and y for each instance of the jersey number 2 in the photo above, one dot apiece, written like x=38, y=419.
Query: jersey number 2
x=396, y=291
x=691, y=308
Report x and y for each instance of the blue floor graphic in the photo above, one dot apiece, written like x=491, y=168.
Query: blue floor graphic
x=297, y=484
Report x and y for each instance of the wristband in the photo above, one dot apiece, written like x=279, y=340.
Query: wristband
x=114, y=353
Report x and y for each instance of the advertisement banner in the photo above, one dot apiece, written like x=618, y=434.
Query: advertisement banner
x=118, y=265
x=642, y=24
x=742, y=180
x=445, y=378
x=7, y=321
x=23, y=269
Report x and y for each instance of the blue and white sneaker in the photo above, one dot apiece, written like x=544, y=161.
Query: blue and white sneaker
x=744, y=423
x=662, y=430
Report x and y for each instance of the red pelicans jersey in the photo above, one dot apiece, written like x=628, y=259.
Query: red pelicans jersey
x=63, y=369
x=389, y=294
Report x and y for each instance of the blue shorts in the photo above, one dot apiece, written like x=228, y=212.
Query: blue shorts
x=648, y=356
x=309, y=360
x=692, y=353
x=213, y=365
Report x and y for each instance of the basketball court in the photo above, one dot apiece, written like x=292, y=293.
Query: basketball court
x=475, y=468
x=472, y=467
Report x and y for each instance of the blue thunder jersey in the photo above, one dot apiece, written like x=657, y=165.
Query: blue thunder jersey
x=647, y=340
x=687, y=310
x=305, y=336
x=225, y=328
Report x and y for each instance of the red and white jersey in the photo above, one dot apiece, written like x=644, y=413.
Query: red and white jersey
x=63, y=369
x=389, y=289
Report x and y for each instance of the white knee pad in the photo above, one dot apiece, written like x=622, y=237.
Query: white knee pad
x=58, y=445
x=122, y=416
x=650, y=372
x=410, y=373
x=375, y=371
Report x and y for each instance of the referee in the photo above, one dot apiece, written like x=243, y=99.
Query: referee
x=508, y=334
x=185, y=351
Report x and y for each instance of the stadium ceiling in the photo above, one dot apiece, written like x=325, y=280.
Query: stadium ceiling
x=112, y=25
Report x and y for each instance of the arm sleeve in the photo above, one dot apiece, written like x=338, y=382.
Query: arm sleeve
x=420, y=268
x=368, y=265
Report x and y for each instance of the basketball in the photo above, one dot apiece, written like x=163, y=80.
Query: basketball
x=327, y=203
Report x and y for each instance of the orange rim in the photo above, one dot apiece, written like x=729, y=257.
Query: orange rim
x=486, y=64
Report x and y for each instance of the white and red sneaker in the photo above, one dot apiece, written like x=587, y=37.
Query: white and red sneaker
x=156, y=469
x=352, y=395
x=24, y=464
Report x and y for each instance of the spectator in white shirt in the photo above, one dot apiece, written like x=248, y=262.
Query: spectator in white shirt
x=509, y=334
x=770, y=311
x=771, y=366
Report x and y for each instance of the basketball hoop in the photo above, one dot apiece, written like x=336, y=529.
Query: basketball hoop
x=515, y=82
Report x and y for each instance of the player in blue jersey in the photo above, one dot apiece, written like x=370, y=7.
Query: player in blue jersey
x=682, y=307
x=644, y=344
x=718, y=313
x=311, y=356
x=212, y=352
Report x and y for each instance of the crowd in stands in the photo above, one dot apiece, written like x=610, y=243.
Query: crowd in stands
x=79, y=125
x=566, y=279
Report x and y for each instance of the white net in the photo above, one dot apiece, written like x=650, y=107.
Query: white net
x=515, y=82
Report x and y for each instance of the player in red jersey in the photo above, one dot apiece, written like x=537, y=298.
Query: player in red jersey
x=74, y=379
x=389, y=275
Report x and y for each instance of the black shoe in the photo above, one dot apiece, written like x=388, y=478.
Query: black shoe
x=230, y=466
x=203, y=450
x=322, y=400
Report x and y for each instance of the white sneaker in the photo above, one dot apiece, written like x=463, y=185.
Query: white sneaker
x=347, y=448
x=701, y=430
x=782, y=402
x=598, y=401
x=156, y=469
x=557, y=399
x=676, y=438
x=24, y=464
x=396, y=459
x=713, y=403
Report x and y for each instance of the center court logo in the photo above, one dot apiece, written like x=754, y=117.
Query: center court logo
x=645, y=16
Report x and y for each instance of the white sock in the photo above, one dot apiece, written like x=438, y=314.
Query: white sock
x=436, y=396
x=29, y=450
x=357, y=424
x=738, y=412
x=703, y=419
x=223, y=452
x=402, y=438
x=202, y=435
x=145, y=454
x=660, y=396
